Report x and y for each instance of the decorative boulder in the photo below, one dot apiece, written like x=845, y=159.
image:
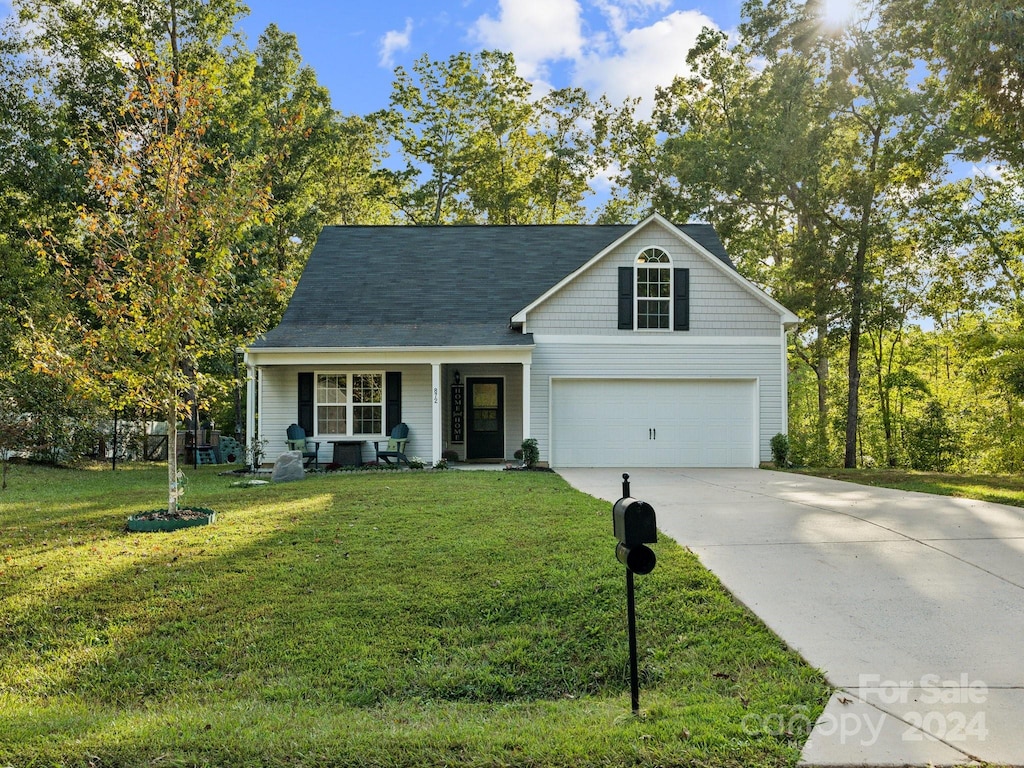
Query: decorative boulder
x=288, y=467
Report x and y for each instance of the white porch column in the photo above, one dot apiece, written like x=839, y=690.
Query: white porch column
x=250, y=407
x=526, y=401
x=435, y=409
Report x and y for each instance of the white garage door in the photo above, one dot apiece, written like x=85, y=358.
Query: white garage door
x=653, y=423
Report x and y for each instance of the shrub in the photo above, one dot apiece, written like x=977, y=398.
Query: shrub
x=531, y=453
x=932, y=444
x=780, y=450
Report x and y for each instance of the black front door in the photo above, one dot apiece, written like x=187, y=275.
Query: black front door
x=485, y=411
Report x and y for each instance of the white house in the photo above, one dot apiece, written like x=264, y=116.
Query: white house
x=610, y=345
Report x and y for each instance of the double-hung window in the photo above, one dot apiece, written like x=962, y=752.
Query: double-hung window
x=350, y=403
x=653, y=290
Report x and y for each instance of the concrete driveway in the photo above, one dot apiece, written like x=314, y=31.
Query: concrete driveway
x=911, y=604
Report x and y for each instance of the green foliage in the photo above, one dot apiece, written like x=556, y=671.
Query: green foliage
x=52, y=421
x=317, y=169
x=366, y=620
x=780, y=450
x=65, y=100
x=531, y=453
x=14, y=434
x=479, y=148
x=820, y=155
x=793, y=161
x=974, y=53
x=932, y=445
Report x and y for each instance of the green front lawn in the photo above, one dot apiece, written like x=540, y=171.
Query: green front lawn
x=381, y=619
x=1004, y=489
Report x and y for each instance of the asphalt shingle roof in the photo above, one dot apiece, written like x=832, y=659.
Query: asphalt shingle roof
x=404, y=286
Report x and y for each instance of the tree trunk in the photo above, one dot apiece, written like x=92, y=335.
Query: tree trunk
x=853, y=396
x=857, y=306
x=884, y=395
x=172, y=457
x=821, y=371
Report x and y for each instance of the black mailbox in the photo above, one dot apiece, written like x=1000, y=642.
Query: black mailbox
x=639, y=559
x=634, y=522
x=635, y=526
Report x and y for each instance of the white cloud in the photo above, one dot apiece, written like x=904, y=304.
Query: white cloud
x=394, y=42
x=991, y=170
x=619, y=48
x=622, y=13
x=535, y=31
x=642, y=58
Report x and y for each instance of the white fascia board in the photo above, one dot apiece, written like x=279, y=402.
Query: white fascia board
x=638, y=339
x=788, y=319
x=393, y=355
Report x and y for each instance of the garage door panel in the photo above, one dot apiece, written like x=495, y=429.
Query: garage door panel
x=663, y=422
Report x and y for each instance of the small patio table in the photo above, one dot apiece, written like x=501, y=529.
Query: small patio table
x=347, y=453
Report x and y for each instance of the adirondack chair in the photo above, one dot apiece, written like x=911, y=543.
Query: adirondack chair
x=297, y=442
x=395, y=448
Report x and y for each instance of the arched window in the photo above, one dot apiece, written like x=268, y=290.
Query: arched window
x=653, y=289
x=653, y=294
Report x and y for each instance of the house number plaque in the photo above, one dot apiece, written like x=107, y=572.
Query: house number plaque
x=458, y=410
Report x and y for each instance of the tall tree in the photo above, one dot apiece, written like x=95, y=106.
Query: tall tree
x=976, y=51
x=571, y=160
x=748, y=150
x=435, y=114
x=274, y=107
x=168, y=198
x=172, y=208
x=509, y=151
x=882, y=132
x=799, y=142
x=41, y=188
x=478, y=146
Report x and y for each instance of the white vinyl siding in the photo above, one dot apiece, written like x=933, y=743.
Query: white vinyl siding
x=279, y=402
x=588, y=305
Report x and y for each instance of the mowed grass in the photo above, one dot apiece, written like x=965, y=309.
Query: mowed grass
x=380, y=619
x=1003, y=489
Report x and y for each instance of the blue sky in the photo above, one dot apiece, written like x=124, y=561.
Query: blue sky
x=617, y=47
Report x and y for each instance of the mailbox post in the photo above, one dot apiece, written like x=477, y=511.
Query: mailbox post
x=635, y=527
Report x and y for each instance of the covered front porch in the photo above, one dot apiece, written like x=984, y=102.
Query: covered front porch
x=472, y=405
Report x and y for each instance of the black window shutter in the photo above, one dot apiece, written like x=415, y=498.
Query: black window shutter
x=393, y=399
x=682, y=299
x=305, y=419
x=626, y=298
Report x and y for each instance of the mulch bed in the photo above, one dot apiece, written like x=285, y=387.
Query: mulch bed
x=159, y=520
x=181, y=514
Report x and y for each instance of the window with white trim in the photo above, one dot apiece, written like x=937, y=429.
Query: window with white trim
x=653, y=295
x=349, y=404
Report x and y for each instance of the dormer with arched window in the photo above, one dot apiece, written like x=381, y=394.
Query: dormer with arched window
x=653, y=295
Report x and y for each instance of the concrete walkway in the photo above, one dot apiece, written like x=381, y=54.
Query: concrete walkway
x=911, y=604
